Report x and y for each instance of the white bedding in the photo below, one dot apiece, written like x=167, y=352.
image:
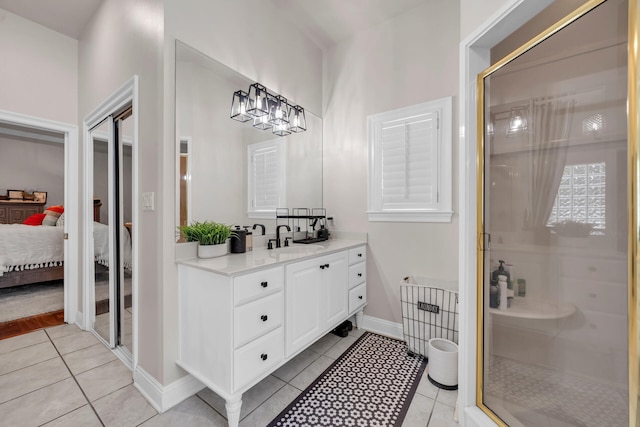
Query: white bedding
x=25, y=247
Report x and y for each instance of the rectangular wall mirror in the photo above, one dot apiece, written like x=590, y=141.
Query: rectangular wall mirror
x=215, y=152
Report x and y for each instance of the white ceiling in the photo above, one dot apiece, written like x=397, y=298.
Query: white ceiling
x=324, y=21
x=64, y=16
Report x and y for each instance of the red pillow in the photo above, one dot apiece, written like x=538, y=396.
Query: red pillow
x=59, y=209
x=35, y=219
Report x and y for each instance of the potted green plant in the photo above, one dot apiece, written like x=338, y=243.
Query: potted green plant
x=211, y=237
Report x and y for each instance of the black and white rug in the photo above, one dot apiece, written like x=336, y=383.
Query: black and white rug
x=371, y=384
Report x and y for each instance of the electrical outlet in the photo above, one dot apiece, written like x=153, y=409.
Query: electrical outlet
x=147, y=201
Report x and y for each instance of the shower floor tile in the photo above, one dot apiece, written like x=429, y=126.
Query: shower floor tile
x=569, y=399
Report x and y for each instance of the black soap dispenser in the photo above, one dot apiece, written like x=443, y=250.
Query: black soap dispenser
x=239, y=241
x=500, y=271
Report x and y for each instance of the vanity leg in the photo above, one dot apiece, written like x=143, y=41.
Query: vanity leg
x=359, y=316
x=233, y=406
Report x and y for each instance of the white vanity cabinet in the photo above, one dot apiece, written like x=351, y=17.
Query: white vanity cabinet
x=357, y=282
x=316, y=299
x=243, y=316
x=231, y=329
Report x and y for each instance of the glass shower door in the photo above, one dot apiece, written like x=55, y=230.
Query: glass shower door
x=554, y=218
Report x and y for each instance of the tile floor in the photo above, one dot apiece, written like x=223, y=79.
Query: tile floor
x=63, y=376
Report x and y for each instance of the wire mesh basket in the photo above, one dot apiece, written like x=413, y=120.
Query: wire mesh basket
x=428, y=311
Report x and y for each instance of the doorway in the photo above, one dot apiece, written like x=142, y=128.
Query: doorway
x=49, y=135
x=110, y=177
x=554, y=227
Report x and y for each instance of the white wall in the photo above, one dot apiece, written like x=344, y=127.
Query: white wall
x=42, y=68
x=124, y=38
x=29, y=166
x=410, y=59
x=473, y=13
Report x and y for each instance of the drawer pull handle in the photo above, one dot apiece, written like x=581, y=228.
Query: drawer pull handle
x=326, y=265
x=322, y=267
x=360, y=255
x=263, y=356
x=360, y=297
x=359, y=274
x=264, y=284
x=264, y=317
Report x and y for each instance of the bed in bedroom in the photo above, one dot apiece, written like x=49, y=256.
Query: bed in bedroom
x=35, y=253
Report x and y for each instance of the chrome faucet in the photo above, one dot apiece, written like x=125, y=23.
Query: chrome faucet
x=278, y=233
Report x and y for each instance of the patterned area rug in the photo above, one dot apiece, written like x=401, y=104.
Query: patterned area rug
x=371, y=384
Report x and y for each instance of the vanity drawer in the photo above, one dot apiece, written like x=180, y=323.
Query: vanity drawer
x=357, y=297
x=357, y=274
x=257, y=318
x=357, y=254
x=255, y=285
x=257, y=357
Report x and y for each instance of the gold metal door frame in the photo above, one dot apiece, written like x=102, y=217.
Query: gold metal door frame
x=633, y=184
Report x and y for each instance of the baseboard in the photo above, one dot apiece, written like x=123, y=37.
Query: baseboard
x=163, y=398
x=382, y=327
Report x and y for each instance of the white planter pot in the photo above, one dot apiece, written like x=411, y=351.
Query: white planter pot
x=443, y=363
x=212, y=251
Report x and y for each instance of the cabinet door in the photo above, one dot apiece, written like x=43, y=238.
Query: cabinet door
x=304, y=304
x=336, y=287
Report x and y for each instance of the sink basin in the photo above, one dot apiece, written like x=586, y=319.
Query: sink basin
x=299, y=249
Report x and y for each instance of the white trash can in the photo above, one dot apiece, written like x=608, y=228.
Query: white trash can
x=443, y=363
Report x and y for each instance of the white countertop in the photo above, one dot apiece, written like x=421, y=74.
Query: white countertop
x=234, y=264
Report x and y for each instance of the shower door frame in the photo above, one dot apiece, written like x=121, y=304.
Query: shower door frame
x=632, y=184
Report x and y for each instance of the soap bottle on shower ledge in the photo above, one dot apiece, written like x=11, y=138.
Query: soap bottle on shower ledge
x=500, y=271
x=504, y=292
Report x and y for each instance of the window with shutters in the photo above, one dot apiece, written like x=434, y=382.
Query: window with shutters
x=266, y=178
x=410, y=163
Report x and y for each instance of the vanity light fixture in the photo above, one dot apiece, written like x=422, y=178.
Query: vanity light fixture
x=268, y=111
x=297, y=120
x=239, y=106
x=517, y=121
x=258, y=100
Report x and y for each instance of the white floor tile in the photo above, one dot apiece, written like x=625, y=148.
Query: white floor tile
x=83, y=416
x=271, y=408
x=31, y=378
x=63, y=330
x=42, y=405
x=419, y=412
x=442, y=416
x=192, y=412
x=27, y=356
x=340, y=347
x=124, y=407
x=104, y=379
x=310, y=373
x=292, y=368
x=73, y=342
x=82, y=360
x=21, y=341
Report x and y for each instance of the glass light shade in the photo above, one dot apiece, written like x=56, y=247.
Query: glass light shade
x=517, y=121
x=282, y=129
x=239, y=106
x=279, y=113
x=262, y=122
x=297, y=120
x=258, y=100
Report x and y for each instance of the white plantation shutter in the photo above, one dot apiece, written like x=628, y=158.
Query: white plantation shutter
x=266, y=180
x=410, y=163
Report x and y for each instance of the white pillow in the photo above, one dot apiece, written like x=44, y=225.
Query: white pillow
x=60, y=222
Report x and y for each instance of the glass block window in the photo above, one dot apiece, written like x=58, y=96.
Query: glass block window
x=581, y=197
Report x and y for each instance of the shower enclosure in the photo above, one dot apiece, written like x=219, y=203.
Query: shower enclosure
x=555, y=209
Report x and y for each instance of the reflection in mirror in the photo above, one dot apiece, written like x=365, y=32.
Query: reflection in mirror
x=221, y=158
x=103, y=288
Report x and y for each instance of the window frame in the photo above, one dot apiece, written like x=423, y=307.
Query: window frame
x=279, y=145
x=442, y=212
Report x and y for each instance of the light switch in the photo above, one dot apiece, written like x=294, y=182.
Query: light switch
x=147, y=201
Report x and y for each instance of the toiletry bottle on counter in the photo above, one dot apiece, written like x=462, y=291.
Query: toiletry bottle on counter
x=249, y=239
x=522, y=287
x=500, y=271
x=493, y=296
x=502, y=284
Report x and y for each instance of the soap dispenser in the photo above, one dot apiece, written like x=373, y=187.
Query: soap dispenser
x=500, y=271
